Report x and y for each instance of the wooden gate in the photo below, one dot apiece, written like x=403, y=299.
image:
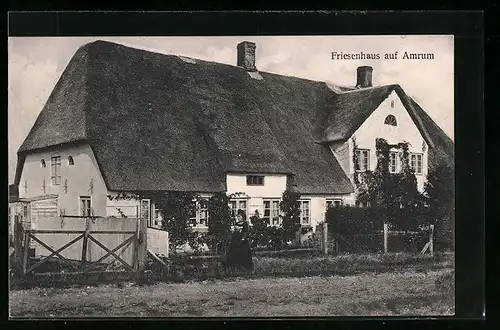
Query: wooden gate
x=136, y=237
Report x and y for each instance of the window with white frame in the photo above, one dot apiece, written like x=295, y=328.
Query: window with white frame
x=305, y=212
x=199, y=214
x=156, y=217
x=363, y=160
x=85, y=206
x=255, y=180
x=272, y=211
x=393, y=162
x=416, y=163
x=55, y=170
x=145, y=211
x=238, y=204
x=333, y=203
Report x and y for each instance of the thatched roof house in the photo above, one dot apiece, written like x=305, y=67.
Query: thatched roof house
x=163, y=122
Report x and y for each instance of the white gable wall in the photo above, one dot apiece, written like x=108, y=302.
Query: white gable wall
x=273, y=188
x=406, y=130
x=81, y=179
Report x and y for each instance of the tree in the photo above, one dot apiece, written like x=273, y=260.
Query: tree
x=290, y=209
x=219, y=224
x=176, y=209
x=407, y=194
x=395, y=195
x=440, y=197
x=258, y=231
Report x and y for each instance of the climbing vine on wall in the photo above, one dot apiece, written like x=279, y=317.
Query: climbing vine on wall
x=382, y=188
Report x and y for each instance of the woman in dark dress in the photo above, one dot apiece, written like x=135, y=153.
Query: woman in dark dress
x=239, y=254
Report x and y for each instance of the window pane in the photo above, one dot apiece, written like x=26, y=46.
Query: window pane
x=85, y=206
x=192, y=211
x=304, y=212
x=392, y=164
x=255, y=180
x=419, y=164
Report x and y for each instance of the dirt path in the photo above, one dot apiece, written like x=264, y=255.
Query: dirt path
x=409, y=293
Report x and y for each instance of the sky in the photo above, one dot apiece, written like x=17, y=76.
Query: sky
x=36, y=63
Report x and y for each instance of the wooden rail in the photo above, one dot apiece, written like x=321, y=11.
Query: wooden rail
x=137, y=237
x=34, y=231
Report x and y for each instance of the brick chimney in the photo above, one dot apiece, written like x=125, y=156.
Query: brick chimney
x=246, y=55
x=364, y=77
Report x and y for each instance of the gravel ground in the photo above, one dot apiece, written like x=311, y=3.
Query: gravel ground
x=403, y=293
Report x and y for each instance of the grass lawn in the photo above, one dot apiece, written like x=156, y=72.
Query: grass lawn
x=370, y=294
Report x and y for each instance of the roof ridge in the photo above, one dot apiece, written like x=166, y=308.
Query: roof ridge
x=179, y=56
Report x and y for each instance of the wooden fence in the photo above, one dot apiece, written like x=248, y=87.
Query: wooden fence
x=83, y=243
x=385, y=240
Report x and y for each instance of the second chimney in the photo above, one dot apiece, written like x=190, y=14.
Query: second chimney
x=364, y=77
x=246, y=55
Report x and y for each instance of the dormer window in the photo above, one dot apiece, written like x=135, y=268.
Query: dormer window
x=42, y=163
x=391, y=120
x=71, y=162
x=255, y=180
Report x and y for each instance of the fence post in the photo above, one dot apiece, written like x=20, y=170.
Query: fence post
x=386, y=237
x=325, y=237
x=18, y=239
x=85, y=242
x=142, y=249
x=26, y=251
x=431, y=241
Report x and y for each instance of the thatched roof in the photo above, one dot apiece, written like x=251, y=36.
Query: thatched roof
x=162, y=122
x=13, y=192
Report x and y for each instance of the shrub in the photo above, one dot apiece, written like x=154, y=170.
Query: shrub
x=361, y=229
x=440, y=193
x=258, y=231
x=176, y=209
x=219, y=225
x=275, y=238
x=290, y=208
x=347, y=220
